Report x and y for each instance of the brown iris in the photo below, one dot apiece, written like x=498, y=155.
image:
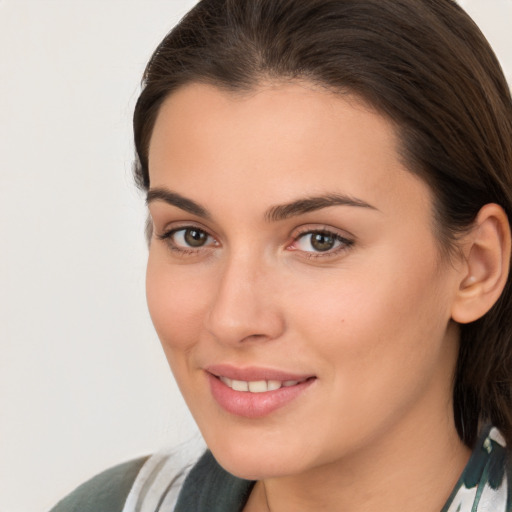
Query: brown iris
x=195, y=237
x=322, y=241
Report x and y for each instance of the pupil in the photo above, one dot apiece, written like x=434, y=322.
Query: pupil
x=322, y=241
x=195, y=237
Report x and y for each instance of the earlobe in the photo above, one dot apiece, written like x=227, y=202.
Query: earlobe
x=487, y=266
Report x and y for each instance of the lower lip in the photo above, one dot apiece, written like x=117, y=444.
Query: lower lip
x=254, y=405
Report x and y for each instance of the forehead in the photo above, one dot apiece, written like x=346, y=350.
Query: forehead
x=275, y=143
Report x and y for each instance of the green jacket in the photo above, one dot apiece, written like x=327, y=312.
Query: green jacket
x=106, y=492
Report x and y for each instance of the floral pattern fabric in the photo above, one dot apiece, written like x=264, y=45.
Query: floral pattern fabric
x=484, y=484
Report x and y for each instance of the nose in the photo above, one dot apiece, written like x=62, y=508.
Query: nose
x=245, y=307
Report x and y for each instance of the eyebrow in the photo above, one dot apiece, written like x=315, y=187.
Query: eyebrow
x=273, y=214
x=174, y=199
x=310, y=204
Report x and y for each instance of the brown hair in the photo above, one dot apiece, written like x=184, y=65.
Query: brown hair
x=422, y=63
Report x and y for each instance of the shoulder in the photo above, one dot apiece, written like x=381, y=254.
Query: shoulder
x=106, y=492
x=183, y=479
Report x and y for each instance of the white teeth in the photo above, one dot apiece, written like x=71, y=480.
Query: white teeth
x=226, y=381
x=272, y=385
x=240, y=385
x=257, y=386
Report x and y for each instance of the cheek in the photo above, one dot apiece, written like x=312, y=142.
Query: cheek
x=176, y=301
x=379, y=318
x=378, y=340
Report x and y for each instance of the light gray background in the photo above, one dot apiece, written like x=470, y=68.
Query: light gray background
x=83, y=382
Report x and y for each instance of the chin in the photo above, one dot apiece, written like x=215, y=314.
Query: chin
x=258, y=467
x=257, y=459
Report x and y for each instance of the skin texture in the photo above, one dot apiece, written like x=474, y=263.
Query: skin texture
x=370, y=319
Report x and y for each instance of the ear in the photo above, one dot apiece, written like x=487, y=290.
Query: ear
x=487, y=258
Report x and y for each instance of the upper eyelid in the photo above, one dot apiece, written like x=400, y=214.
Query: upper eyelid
x=177, y=226
x=307, y=229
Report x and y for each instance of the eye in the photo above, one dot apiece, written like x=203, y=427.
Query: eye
x=321, y=241
x=187, y=238
x=190, y=237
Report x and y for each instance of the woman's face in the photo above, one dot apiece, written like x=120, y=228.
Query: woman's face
x=294, y=278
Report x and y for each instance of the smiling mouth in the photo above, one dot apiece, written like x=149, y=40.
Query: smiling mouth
x=259, y=386
x=255, y=392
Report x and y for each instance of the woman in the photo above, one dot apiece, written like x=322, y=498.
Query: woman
x=329, y=185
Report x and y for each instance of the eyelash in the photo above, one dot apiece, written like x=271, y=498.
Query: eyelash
x=344, y=243
x=181, y=250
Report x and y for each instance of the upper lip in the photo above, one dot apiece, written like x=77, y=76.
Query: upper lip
x=254, y=373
